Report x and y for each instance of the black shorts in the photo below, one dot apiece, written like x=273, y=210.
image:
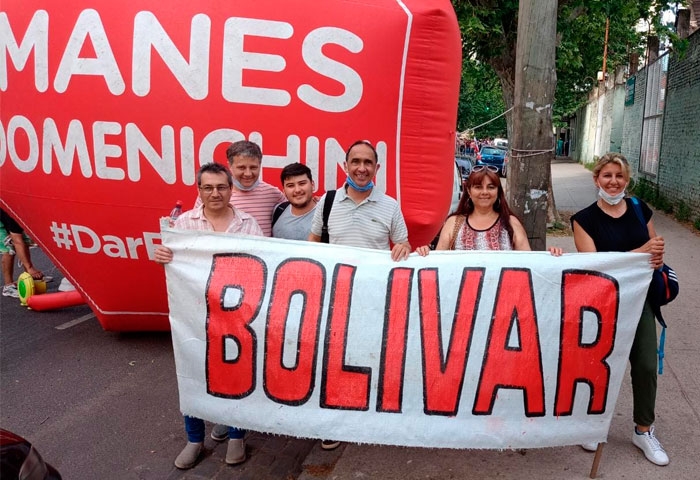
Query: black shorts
x=9, y=223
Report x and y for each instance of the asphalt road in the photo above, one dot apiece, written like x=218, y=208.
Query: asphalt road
x=96, y=404
x=104, y=405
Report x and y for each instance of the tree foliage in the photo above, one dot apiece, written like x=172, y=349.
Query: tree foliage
x=489, y=34
x=480, y=100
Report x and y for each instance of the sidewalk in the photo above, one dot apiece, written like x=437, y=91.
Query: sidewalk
x=678, y=401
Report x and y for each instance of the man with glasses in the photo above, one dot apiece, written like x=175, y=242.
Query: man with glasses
x=249, y=193
x=214, y=214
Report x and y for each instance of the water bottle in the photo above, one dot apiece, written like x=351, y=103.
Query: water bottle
x=175, y=212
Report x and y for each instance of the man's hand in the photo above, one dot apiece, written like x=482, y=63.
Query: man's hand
x=400, y=251
x=163, y=255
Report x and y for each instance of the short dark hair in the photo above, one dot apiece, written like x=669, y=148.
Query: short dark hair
x=243, y=148
x=215, y=168
x=294, y=170
x=362, y=142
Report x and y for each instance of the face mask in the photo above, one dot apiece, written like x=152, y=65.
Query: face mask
x=367, y=187
x=238, y=185
x=610, y=199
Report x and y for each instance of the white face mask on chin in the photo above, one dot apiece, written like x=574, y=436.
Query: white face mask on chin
x=610, y=199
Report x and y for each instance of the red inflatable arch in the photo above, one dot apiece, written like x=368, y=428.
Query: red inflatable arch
x=109, y=108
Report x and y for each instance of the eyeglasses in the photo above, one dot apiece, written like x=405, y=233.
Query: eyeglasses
x=209, y=189
x=490, y=168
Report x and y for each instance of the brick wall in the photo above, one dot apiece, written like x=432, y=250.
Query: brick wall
x=679, y=160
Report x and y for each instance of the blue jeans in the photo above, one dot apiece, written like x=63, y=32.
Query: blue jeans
x=195, y=430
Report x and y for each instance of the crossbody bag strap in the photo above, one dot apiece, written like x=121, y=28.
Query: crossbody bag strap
x=459, y=221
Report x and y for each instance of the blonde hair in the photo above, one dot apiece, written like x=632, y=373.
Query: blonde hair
x=613, y=157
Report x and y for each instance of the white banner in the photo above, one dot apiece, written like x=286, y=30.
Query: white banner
x=462, y=350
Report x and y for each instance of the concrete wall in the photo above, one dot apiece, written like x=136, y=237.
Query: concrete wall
x=617, y=116
x=612, y=103
x=632, y=122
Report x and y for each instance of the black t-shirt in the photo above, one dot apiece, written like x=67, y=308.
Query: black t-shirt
x=614, y=234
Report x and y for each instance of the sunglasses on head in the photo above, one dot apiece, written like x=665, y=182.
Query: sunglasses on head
x=490, y=168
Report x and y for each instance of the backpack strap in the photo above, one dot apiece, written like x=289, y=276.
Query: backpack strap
x=327, y=205
x=277, y=212
x=638, y=210
x=660, y=351
x=662, y=338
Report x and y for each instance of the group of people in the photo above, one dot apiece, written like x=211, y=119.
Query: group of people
x=237, y=200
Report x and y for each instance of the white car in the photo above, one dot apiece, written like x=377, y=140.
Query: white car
x=457, y=188
x=500, y=142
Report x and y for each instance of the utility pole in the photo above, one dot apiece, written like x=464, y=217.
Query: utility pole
x=529, y=175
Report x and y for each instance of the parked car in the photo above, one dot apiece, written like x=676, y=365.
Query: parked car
x=457, y=187
x=495, y=156
x=500, y=142
x=464, y=164
x=19, y=460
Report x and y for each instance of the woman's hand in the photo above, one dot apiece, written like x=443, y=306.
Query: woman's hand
x=163, y=255
x=423, y=250
x=656, y=247
x=555, y=251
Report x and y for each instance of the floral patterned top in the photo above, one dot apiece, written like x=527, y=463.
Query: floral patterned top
x=495, y=237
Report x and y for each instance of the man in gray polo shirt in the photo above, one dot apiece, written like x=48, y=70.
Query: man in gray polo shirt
x=362, y=216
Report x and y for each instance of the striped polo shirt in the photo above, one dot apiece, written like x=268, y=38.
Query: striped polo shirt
x=258, y=202
x=369, y=224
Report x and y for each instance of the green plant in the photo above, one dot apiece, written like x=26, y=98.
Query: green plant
x=682, y=212
x=645, y=190
x=697, y=223
x=590, y=165
x=663, y=203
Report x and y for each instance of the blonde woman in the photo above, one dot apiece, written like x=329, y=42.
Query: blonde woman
x=611, y=225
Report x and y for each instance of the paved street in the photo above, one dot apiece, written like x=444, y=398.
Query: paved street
x=103, y=405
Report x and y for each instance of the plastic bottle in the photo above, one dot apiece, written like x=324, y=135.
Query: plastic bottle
x=175, y=212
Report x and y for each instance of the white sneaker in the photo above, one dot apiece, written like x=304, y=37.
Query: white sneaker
x=650, y=445
x=590, y=446
x=10, y=290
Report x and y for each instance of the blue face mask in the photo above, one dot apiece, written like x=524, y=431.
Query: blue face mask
x=238, y=185
x=354, y=186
